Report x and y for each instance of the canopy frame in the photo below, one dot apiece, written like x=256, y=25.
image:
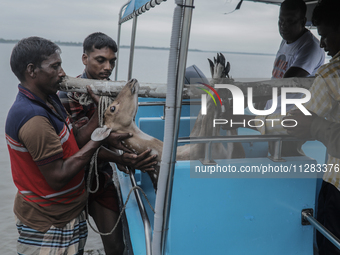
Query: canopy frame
x=121, y=19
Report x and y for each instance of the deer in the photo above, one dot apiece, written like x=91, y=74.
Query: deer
x=120, y=117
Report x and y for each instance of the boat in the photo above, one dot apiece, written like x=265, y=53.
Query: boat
x=204, y=213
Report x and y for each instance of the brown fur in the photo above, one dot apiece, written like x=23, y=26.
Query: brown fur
x=120, y=117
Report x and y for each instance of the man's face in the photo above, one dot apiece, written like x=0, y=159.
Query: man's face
x=99, y=63
x=291, y=25
x=330, y=39
x=50, y=74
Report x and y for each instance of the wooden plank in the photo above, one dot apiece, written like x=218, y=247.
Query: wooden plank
x=159, y=90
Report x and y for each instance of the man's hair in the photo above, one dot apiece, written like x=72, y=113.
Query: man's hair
x=295, y=5
x=32, y=50
x=98, y=40
x=326, y=12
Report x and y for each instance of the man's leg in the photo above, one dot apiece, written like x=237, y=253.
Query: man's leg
x=70, y=239
x=105, y=220
x=329, y=216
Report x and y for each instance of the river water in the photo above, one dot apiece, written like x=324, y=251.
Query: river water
x=149, y=66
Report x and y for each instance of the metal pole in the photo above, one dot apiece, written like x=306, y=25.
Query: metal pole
x=239, y=138
x=132, y=46
x=144, y=215
x=117, y=54
x=207, y=155
x=277, y=152
x=118, y=37
x=324, y=231
x=182, y=61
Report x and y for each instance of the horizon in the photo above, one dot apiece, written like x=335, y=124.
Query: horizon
x=79, y=44
x=211, y=28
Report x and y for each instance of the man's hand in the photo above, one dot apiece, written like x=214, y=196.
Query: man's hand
x=143, y=161
x=122, y=168
x=304, y=122
x=116, y=140
x=94, y=97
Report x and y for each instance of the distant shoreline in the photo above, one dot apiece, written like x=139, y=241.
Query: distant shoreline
x=79, y=44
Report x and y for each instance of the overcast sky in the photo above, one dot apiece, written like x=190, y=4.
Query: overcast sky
x=253, y=28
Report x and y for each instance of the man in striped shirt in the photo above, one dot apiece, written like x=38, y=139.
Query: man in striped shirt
x=324, y=102
x=47, y=164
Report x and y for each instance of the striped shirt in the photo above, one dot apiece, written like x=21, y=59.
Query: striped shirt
x=325, y=102
x=38, y=135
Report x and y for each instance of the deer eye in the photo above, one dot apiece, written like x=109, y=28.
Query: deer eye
x=112, y=108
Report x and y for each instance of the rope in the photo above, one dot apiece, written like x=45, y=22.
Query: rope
x=84, y=99
x=89, y=177
x=104, y=103
x=122, y=211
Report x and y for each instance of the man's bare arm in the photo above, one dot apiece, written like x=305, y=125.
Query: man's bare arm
x=295, y=72
x=59, y=172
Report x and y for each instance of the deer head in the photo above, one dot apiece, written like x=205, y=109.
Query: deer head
x=122, y=111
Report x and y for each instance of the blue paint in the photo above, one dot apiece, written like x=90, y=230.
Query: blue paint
x=228, y=215
x=240, y=216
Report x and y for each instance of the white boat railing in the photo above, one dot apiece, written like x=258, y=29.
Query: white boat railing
x=277, y=139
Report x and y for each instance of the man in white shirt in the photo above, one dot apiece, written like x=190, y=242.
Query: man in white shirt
x=300, y=54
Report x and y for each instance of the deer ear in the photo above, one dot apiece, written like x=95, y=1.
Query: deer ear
x=133, y=90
